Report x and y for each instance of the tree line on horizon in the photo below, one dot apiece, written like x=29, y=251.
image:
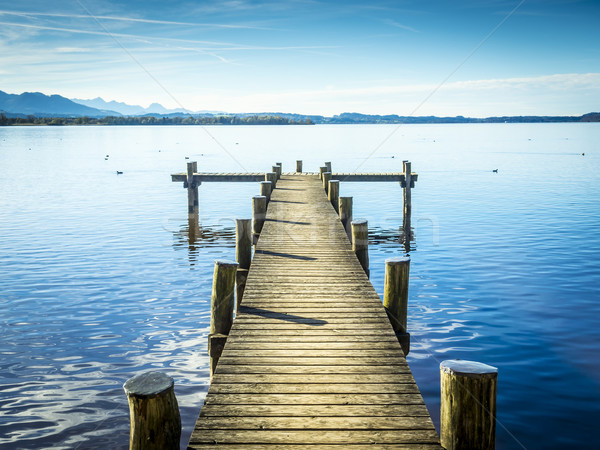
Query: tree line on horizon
x=152, y=120
x=279, y=119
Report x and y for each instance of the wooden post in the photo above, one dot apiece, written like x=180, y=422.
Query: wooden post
x=278, y=165
x=345, y=209
x=272, y=177
x=153, y=412
x=468, y=412
x=259, y=213
x=360, y=242
x=243, y=255
x=322, y=170
x=395, y=297
x=276, y=170
x=326, y=179
x=299, y=166
x=221, y=309
x=266, y=188
x=407, y=185
x=328, y=165
x=243, y=242
x=192, y=188
x=334, y=194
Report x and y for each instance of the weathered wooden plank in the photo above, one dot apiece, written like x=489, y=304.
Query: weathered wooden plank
x=324, y=353
x=294, y=345
x=312, y=370
x=312, y=388
x=308, y=437
x=315, y=410
x=315, y=423
x=361, y=379
x=307, y=361
x=320, y=446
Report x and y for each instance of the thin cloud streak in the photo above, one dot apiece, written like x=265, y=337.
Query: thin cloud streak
x=132, y=19
x=224, y=46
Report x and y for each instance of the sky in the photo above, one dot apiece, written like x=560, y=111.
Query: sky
x=475, y=58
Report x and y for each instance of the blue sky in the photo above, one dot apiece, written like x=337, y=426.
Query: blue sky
x=471, y=57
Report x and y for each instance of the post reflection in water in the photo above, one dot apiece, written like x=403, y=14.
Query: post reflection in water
x=196, y=237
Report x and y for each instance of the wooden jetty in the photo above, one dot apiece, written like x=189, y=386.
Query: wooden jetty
x=311, y=359
x=314, y=359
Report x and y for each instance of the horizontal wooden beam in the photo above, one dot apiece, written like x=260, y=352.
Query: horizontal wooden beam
x=256, y=177
x=220, y=177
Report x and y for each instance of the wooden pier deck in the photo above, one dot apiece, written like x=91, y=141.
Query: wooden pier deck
x=311, y=360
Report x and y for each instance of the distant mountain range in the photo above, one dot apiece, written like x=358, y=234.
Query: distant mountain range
x=44, y=106
x=135, y=110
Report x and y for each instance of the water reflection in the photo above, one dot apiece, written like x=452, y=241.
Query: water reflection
x=387, y=239
x=195, y=237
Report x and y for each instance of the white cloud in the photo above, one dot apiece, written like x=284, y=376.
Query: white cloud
x=544, y=95
x=71, y=50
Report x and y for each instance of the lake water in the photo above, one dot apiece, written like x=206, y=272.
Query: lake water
x=98, y=281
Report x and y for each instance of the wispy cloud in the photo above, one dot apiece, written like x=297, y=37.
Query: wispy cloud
x=213, y=45
x=510, y=96
x=72, y=50
x=396, y=24
x=131, y=19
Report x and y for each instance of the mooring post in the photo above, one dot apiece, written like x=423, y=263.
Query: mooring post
x=266, y=188
x=468, y=399
x=275, y=169
x=360, y=243
x=334, y=194
x=192, y=188
x=259, y=213
x=407, y=185
x=272, y=177
x=326, y=179
x=155, y=422
x=345, y=210
x=299, y=166
x=322, y=170
x=278, y=171
x=221, y=309
x=395, y=297
x=328, y=165
x=243, y=255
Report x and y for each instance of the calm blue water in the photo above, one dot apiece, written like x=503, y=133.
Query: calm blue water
x=98, y=281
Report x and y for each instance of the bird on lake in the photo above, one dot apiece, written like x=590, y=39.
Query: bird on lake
x=119, y=172
x=495, y=170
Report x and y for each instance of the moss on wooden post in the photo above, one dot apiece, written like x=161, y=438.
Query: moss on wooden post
x=266, y=187
x=299, y=166
x=468, y=405
x=395, y=297
x=322, y=170
x=326, y=179
x=360, y=242
x=153, y=412
x=192, y=189
x=221, y=304
x=259, y=213
x=333, y=194
x=272, y=177
x=345, y=210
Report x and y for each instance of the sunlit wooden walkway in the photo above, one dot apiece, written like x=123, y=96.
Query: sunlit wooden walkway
x=312, y=360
